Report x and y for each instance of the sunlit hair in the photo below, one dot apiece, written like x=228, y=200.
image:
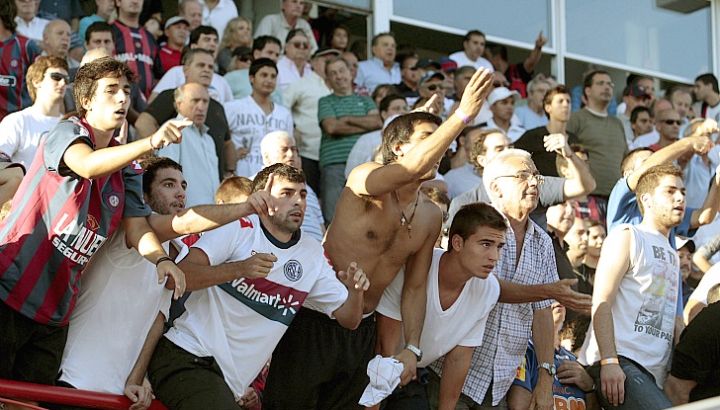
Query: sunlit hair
x=36, y=71
x=233, y=190
x=88, y=76
x=650, y=180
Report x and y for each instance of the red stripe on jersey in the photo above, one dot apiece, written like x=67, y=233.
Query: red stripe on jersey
x=245, y=223
x=147, y=67
x=191, y=239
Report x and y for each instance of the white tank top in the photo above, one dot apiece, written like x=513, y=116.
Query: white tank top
x=645, y=306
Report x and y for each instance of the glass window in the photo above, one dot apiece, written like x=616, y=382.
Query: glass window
x=641, y=35
x=518, y=20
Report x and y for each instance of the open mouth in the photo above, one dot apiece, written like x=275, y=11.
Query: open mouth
x=120, y=112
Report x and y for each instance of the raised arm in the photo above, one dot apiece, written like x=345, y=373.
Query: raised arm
x=91, y=164
x=581, y=181
x=613, y=264
x=706, y=214
x=534, y=57
x=373, y=179
x=198, y=219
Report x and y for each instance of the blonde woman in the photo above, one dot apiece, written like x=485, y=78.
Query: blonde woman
x=238, y=33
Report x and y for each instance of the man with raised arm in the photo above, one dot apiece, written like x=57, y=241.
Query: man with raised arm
x=384, y=223
x=80, y=187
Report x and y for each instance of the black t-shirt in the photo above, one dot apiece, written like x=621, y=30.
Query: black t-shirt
x=405, y=91
x=697, y=355
x=163, y=109
x=532, y=142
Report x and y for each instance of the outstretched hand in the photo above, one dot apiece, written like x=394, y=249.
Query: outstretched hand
x=563, y=292
x=262, y=202
x=169, y=133
x=354, y=278
x=434, y=105
x=476, y=92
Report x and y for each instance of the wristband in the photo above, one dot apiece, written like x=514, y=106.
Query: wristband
x=609, y=360
x=463, y=117
x=163, y=259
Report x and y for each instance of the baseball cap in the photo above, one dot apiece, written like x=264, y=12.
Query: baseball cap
x=638, y=92
x=326, y=51
x=427, y=63
x=430, y=75
x=447, y=65
x=501, y=93
x=175, y=20
x=681, y=241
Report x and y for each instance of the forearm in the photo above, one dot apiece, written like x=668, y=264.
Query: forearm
x=455, y=369
x=706, y=214
x=139, y=235
x=511, y=292
x=678, y=390
x=350, y=313
x=412, y=308
x=202, y=218
x=543, y=338
x=663, y=156
x=342, y=128
x=429, y=151
x=105, y=161
x=701, y=262
x=204, y=276
x=604, y=330
x=368, y=123
x=532, y=59
x=138, y=371
x=582, y=181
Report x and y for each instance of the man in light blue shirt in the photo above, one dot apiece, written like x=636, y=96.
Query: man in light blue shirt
x=381, y=68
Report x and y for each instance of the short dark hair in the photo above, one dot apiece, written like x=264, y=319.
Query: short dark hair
x=200, y=30
x=478, y=147
x=189, y=54
x=260, y=42
x=708, y=78
x=590, y=77
x=547, y=99
x=260, y=63
x=496, y=49
x=650, y=179
x=283, y=171
x=471, y=33
x=401, y=57
x=388, y=99
x=390, y=87
x=88, y=76
x=472, y=216
x=377, y=37
x=295, y=32
x=97, y=27
x=637, y=111
x=332, y=60
x=400, y=129
x=8, y=12
x=151, y=166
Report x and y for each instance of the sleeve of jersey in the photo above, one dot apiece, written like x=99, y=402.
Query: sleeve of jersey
x=135, y=205
x=328, y=293
x=489, y=299
x=325, y=109
x=525, y=376
x=59, y=139
x=552, y=192
x=225, y=244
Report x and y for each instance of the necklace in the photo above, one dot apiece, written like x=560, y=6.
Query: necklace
x=403, y=219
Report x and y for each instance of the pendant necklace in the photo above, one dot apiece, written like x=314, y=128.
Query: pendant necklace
x=403, y=219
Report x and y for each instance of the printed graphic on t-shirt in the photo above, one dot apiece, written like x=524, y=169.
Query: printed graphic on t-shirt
x=271, y=300
x=656, y=316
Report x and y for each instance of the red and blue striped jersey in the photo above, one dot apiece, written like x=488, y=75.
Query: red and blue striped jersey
x=16, y=55
x=136, y=47
x=56, y=223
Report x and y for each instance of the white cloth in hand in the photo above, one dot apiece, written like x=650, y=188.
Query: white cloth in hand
x=384, y=373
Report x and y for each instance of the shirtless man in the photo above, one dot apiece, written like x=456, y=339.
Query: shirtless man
x=384, y=224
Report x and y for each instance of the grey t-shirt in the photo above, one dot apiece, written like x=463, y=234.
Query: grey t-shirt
x=551, y=193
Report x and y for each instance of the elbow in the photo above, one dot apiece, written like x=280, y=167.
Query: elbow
x=706, y=217
x=350, y=323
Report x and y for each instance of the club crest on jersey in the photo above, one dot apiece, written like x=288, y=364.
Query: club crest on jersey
x=13, y=63
x=293, y=270
x=92, y=223
x=112, y=199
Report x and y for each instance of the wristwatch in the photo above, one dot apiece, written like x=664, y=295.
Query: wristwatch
x=549, y=367
x=415, y=350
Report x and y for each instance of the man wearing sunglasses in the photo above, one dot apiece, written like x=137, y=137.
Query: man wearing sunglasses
x=432, y=83
x=20, y=132
x=668, y=124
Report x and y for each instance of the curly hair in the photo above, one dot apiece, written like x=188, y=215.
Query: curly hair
x=88, y=76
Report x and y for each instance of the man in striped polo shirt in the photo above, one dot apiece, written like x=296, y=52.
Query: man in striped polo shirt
x=134, y=45
x=16, y=54
x=80, y=187
x=344, y=116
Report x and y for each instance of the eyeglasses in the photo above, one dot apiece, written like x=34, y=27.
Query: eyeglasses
x=300, y=44
x=525, y=177
x=673, y=122
x=59, y=76
x=433, y=87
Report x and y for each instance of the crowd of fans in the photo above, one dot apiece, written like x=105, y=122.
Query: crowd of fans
x=224, y=216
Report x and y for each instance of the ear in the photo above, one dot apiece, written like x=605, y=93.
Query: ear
x=495, y=189
x=645, y=199
x=396, y=149
x=481, y=159
x=457, y=242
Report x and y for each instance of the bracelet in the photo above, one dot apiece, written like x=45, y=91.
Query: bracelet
x=592, y=389
x=163, y=259
x=463, y=117
x=609, y=360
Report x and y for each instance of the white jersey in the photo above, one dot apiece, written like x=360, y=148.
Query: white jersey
x=118, y=303
x=645, y=306
x=462, y=324
x=248, y=125
x=219, y=89
x=21, y=131
x=239, y=323
x=462, y=60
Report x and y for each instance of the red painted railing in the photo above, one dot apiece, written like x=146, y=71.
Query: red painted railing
x=61, y=395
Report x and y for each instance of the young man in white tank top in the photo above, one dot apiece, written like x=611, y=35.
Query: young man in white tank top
x=635, y=299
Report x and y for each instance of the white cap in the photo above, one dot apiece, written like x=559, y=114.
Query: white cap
x=501, y=93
